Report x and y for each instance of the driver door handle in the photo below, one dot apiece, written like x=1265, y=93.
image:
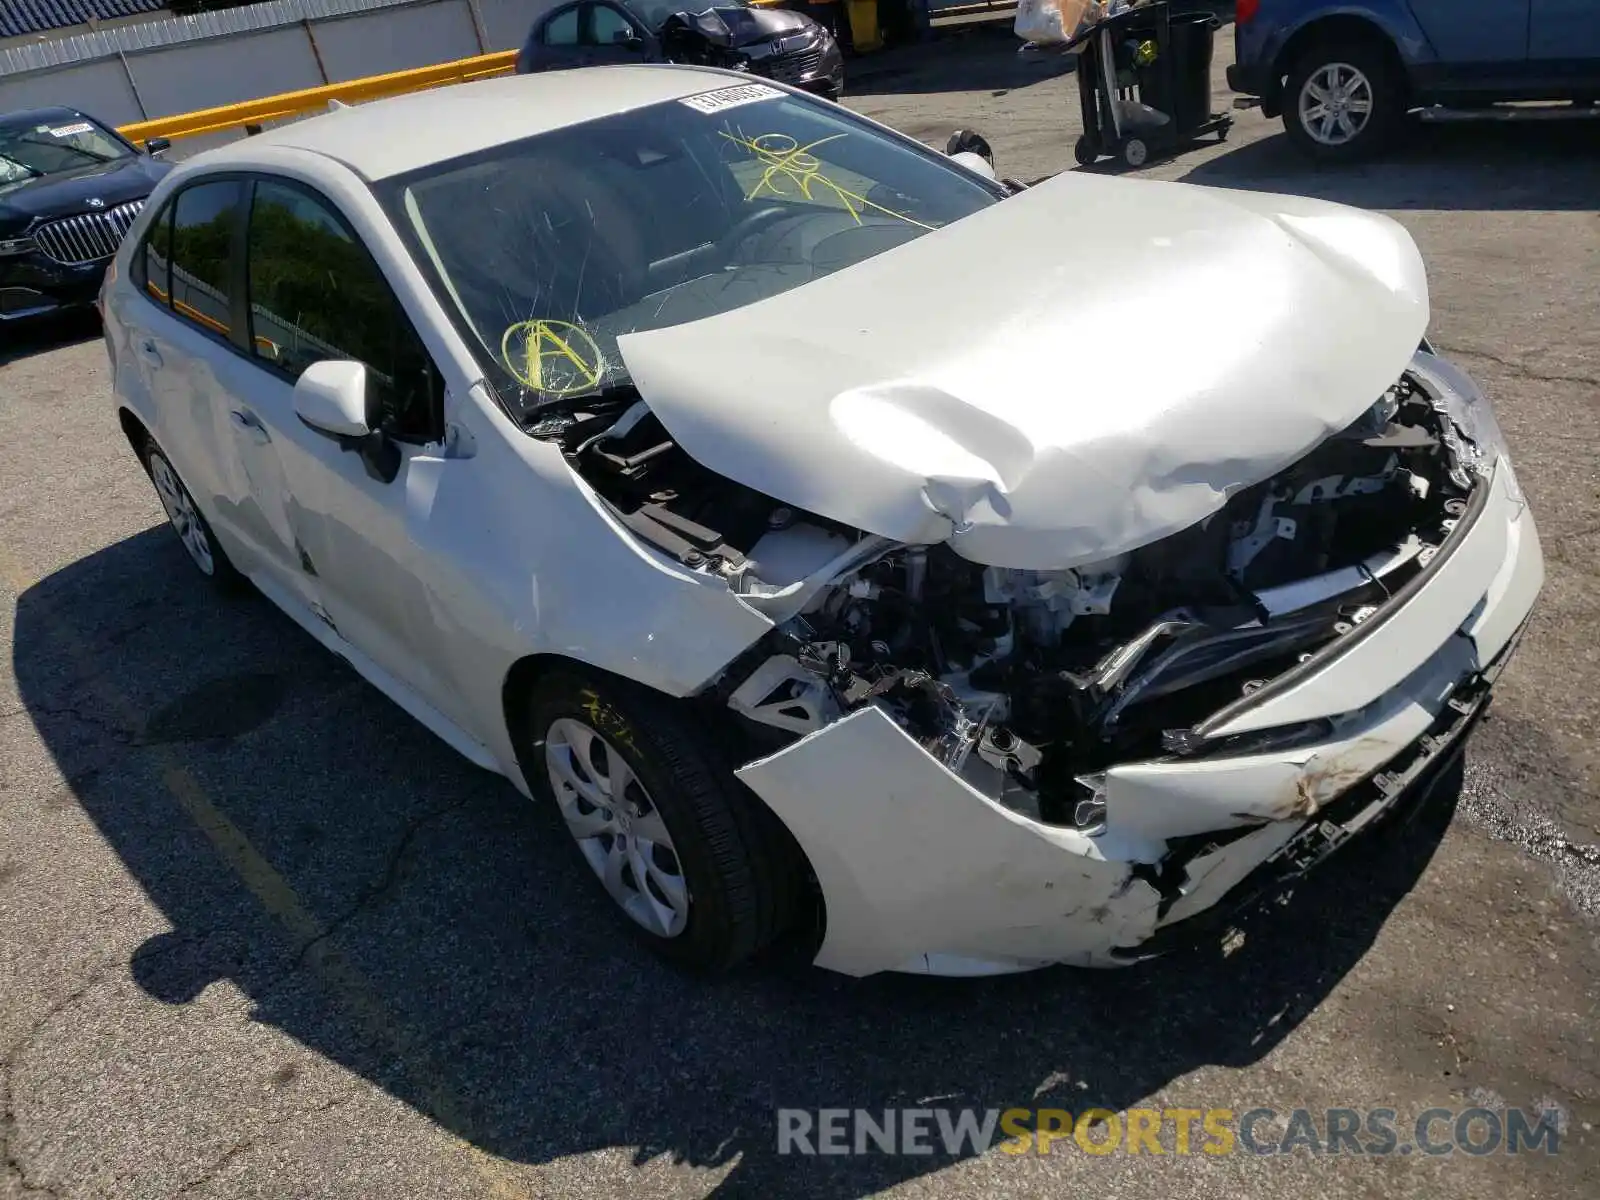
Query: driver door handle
x=248, y=421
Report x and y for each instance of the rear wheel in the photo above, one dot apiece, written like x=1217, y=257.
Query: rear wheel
x=699, y=869
x=184, y=515
x=1343, y=101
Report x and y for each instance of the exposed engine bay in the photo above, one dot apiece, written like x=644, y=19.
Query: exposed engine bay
x=1031, y=684
x=738, y=39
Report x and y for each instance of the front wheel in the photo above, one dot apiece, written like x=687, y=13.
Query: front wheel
x=699, y=869
x=1343, y=102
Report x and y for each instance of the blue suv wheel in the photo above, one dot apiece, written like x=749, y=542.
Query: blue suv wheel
x=1343, y=100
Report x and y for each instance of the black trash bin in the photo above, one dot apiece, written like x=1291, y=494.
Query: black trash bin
x=1192, y=41
x=1152, y=57
x=1178, y=82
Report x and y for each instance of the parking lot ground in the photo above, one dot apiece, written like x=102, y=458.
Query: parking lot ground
x=261, y=936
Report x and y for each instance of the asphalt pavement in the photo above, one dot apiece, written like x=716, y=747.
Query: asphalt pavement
x=260, y=935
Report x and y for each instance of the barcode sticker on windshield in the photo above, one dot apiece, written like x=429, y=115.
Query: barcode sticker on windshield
x=745, y=93
x=69, y=130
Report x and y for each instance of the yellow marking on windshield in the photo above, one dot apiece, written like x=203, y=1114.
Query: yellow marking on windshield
x=788, y=165
x=556, y=358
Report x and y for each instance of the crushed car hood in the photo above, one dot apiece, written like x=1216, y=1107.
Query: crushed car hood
x=736, y=27
x=1076, y=371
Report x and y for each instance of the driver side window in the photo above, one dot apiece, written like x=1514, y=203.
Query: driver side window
x=315, y=293
x=561, y=29
x=608, y=27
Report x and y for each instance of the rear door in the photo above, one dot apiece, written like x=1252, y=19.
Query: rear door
x=185, y=344
x=557, y=41
x=1564, y=41
x=1478, y=42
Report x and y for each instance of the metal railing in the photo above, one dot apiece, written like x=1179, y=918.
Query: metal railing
x=252, y=114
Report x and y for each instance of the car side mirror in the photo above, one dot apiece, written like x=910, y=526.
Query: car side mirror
x=972, y=151
x=331, y=398
x=975, y=163
x=157, y=146
x=633, y=42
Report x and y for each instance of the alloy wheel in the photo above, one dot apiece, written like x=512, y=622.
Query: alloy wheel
x=182, y=513
x=617, y=826
x=1335, y=104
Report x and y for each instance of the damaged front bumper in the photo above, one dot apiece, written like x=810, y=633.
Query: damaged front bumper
x=920, y=871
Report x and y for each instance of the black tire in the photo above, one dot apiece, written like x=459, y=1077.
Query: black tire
x=1085, y=151
x=743, y=870
x=1388, y=100
x=221, y=573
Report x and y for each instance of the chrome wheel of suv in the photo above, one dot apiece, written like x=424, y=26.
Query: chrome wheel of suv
x=1344, y=101
x=1335, y=103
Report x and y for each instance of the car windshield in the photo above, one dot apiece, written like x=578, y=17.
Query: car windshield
x=37, y=148
x=547, y=250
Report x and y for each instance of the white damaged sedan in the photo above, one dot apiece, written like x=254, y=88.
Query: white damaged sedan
x=840, y=539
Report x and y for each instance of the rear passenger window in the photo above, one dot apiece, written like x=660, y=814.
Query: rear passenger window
x=150, y=264
x=201, y=236
x=315, y=293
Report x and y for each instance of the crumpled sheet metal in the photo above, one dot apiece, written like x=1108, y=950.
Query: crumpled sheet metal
x=730, y=27
x=915, y=865
x=911, y=860
x=1049, y=381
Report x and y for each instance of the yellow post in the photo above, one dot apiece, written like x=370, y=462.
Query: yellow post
x=864, y=33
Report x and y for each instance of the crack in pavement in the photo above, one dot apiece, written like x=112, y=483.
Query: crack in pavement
x=1577, y=865
x=118, y=733
x=375, y=892
x=12, y=1168
x=258, y=1138
x=1517, y=368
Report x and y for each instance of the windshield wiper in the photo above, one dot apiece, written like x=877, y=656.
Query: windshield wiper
x=606, y=393
x=89, y=154
x=33, y=172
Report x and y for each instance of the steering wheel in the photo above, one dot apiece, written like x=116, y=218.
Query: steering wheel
x=748, y=225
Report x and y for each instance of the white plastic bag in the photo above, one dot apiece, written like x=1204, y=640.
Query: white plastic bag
x=1039, y=22
x=1053, y=22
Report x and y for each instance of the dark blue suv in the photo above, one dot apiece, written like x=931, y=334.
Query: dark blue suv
x=1343, y=73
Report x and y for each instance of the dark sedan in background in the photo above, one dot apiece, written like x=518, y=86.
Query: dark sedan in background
x=69, y=189
x=772, y=43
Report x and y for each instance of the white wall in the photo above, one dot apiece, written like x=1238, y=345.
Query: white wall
x=197, y=75
x=99, y=88
x=234, y=67
x=396, y=39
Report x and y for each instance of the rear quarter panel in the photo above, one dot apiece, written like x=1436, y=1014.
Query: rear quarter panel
x=120, y=316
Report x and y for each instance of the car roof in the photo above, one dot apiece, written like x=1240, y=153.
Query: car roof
x=33, y=116
x=393, y=136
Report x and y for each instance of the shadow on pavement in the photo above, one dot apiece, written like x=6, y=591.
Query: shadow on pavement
x=1485, y=167
x=980, y=58
x=44, y=334
x=471, y=967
